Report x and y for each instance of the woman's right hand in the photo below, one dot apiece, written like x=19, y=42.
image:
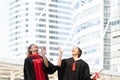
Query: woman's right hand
x=60, y=56
x=43, y=51
x=60, y=50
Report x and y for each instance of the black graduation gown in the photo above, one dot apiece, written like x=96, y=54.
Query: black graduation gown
x=81, y=72
x=29, y=71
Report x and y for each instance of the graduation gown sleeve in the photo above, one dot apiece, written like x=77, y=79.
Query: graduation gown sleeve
x=61, y=70
x=86, y=71
x=50, y=69
x=29, y=73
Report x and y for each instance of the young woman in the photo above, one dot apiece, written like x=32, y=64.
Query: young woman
x=73, y=68
x=37, y=67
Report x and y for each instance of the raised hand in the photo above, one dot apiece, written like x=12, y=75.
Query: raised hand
x=60, y=56
x=43, y=50
x=60, y=50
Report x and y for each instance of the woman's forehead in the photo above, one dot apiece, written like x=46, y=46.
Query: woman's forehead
x=75, y=47
x=34, y=45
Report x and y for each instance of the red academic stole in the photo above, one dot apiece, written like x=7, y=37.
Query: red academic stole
x=40, y=75
x=74, y=66
x=96, y=76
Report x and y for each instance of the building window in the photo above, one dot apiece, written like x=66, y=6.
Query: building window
x=26, y=25
x=26, y=14
x=117, y=36
x=26, y=9
x=54, y=54
x=40, y=3
x=26, y=30
x=39, y=30
x=41, y=42
x=41, y=36
x=26, y=19
x=26, y=3
x=41, y=25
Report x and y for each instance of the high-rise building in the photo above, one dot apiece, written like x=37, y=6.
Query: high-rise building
x=115, y=35
x=90, y=21
x=43, y=22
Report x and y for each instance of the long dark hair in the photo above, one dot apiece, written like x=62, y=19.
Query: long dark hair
x=28, y=50
x=80, y=51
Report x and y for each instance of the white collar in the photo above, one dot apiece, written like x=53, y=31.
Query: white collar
x=78, y=59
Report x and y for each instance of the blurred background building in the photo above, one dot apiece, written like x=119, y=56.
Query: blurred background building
x=90, y=21
x=44, y=22
x=97, y=32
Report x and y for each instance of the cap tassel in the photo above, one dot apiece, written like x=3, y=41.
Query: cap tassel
x=74, y=66
x=96, y=76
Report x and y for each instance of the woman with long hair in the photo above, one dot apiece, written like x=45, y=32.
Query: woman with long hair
x=36, y=66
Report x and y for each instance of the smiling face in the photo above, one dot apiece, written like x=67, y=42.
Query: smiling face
x=76, y=51
x=34, y=48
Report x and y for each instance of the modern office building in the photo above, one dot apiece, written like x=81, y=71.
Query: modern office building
x=43, y=22
x=90, y=21
x=115, y=35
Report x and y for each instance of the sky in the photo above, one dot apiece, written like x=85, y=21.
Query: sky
x=4, y=28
